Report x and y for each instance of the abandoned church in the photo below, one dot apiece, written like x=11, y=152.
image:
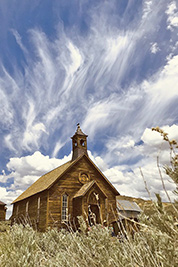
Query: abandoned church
x=76, y=188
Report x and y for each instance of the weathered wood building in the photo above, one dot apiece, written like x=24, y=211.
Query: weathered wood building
x=127, y=209
x=2, y=211
x=77, y=188
x=128, y=212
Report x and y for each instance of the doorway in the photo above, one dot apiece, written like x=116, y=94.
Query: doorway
x=93, y=214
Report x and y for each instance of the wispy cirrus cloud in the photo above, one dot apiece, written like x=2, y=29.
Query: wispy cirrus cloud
x=115, y=71
x=67, y=75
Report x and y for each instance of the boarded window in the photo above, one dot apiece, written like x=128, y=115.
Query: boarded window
x=38, y=210
x=65, y=207
x=26, y=209
x=17, y=210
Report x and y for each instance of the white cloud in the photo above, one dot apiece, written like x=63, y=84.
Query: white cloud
x=76, y=58
x=154, y=48
x=58, y=146
x=153, y=138
x=6, y=113
x=98, y=161
x=147, y=8
x=166, y=80
x=130, y=143
x=172, y=13
x=2, y=192
x=7, y=196
x=155, y=146
x=127, y=178
x=33, y=134
x=150, y=137
x=19, y=40
x=25, y=171
x=8, y=142
x=132, y=183
x=73, y=73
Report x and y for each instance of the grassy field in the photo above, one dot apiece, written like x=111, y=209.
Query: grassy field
x=154, y=245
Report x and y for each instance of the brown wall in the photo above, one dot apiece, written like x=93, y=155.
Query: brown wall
x=51, y=199
x=32, y=216
x=2, y=213
x=70, y=184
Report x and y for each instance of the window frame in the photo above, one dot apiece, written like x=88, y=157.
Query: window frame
x=64, y=207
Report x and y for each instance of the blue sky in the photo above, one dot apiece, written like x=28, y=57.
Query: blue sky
x=110, y=65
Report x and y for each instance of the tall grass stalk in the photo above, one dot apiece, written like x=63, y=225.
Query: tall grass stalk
x=155, y=244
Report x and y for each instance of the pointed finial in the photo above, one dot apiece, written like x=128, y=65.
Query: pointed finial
x=78, y=124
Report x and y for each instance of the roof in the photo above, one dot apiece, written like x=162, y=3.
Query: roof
x=2, y=203
x=83, y=190
x=48, y=179
x=44, y=182
x=114, y=189
x=127, y=205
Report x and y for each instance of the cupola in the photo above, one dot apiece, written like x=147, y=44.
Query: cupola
x=79, y=143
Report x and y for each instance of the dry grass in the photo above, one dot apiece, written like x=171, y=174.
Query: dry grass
x=155, y=244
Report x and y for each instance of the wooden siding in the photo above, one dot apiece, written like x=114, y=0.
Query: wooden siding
x=2, y=213
x=69, y=184
x=20, y=215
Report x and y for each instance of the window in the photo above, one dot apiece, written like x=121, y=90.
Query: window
x=82, y=142
x=38, y=209
x=26, y=210
x=65, y=207
x=75, y=143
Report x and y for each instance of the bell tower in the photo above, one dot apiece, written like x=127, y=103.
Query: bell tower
x=79, y=143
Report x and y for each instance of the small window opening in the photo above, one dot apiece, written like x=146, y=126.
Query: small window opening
x=82, y=142
x=75, y=143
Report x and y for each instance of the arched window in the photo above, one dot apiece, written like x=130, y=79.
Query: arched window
x=65, y=207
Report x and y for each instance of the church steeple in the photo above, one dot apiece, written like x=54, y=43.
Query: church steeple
x=79, y=143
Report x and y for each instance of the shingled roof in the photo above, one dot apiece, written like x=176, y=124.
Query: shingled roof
x=2, y=203
x=83, y=190
x=126, y=205
x=44, y=182
x=48, y=179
